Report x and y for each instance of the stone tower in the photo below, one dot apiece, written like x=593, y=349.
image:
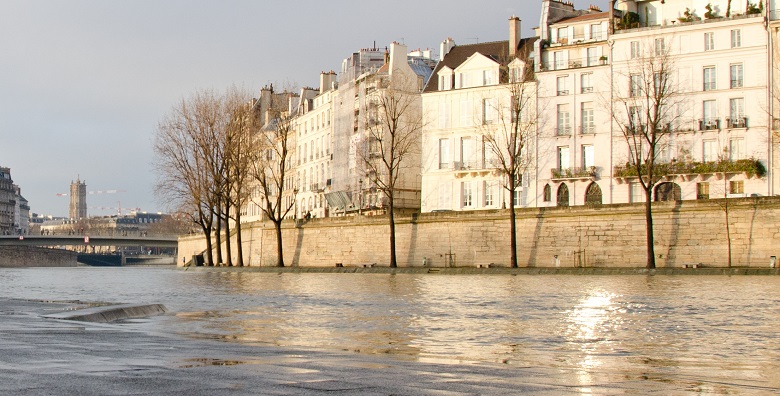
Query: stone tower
x=78, y=200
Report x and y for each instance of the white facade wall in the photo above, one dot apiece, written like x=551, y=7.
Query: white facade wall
x=695, y=47
x=574, y=122
x=314, y=156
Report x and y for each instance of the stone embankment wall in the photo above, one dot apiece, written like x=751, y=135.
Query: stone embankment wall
x=28, y=256
x=686, y=233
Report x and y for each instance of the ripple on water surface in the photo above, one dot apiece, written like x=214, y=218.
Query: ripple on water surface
x=680, y=328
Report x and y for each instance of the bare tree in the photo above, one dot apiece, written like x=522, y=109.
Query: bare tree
x=201, y=158
x=183, y=180
x=393, y=125
x=646, y=105
x=508, y=138
x=271, y=166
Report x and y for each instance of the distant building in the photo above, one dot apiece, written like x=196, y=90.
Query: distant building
x=21, y=213
x=7, y=202
x=78, y=200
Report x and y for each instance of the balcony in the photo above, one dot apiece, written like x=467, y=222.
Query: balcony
x=587, y=129
x=563, y=92
x=687, y=171
x=586, y=90
x=708, y=124
x=739, y=122
x=471, y=168
x=563, y=131
x=586, y=173
x=314, y=187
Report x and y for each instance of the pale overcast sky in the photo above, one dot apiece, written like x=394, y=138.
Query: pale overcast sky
x=84, y=83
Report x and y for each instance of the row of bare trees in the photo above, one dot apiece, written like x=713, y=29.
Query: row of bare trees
x=211, y=152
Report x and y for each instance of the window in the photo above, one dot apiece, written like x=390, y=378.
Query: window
x=588, y=156
x=709, y=151
x=709, y=78
x=445, y=83
x=465, y=113
x=490, y=193
x=547, y=193
x=563, y=157
x=488, y=111
x=517, y=198
x=660, y=47
x=636, y=85
x=444, y=114
x=703, y=190
x=737, y=113
x=468, y=195
x=635, y=120
x=559, y=60
x=488, y=77
x=709, y=41
x=563, y=35
x=635, y=51
x=588, y=124
x=709, y=111
x=736, y=149
x=736, y=75
x=444, y=153
x=563, y=195
x=736, y=38
x=596, y=32
x=564, y=121
x=586, y=83
x=593, y=56
x=636, y=193
x=736, y=187
x=562, y=87
x=468, y=152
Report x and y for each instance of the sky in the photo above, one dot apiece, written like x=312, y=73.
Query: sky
x=83, y=83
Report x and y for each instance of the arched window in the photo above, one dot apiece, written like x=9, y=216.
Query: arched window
x=593, y=195
x=668, y=191
x=547, y=193
x=563, y=195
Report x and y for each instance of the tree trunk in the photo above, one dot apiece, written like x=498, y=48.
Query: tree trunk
x=393, y=259
x=209, y=247
x=218, y=233
x=279, y=248
x=649, y=229
x=239, y=241
x=228, y=249
x=512, y=224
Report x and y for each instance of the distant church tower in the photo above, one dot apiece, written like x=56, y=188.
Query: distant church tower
x=78, y=200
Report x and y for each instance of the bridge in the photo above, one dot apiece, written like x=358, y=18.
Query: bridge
x=81, y=240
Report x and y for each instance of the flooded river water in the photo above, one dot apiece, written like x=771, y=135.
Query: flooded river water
x=721, y=330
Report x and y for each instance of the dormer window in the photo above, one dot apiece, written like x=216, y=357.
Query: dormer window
x=445, y=79
x=488, y=77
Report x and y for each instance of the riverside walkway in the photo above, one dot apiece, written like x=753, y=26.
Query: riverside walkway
x=41, y=355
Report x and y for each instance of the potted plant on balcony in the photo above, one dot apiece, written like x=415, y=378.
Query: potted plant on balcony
x=603, y=59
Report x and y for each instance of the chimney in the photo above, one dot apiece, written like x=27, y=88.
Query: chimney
x=514, y=35
x=326, y=81
x=397, y=57
x=445, y=47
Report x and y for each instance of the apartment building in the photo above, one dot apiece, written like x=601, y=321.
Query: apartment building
x=716, y=128
x=574, y=136
x=314, y=155
x=7, y=201
x=366, y=76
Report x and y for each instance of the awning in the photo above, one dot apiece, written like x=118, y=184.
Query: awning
x=338, y=199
